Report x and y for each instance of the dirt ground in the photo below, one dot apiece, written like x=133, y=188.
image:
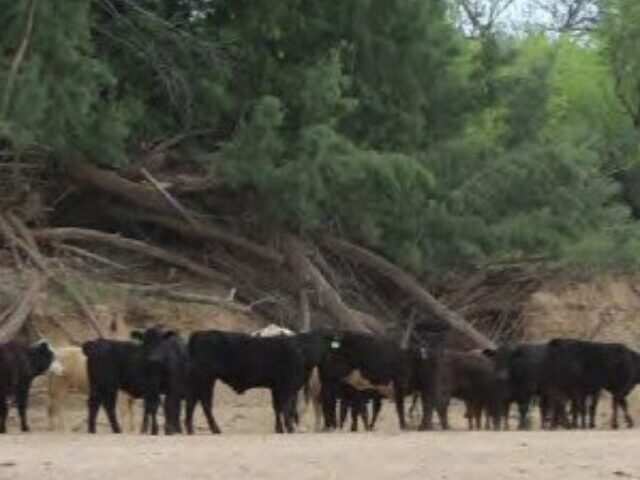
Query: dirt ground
x=248, y=449
x=437, y=455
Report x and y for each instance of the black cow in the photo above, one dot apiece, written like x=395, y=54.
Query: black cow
x=19, y=365
x=112, y=365
x=524, y=364
x=426, y=350
x=166, y=367
x=470, y=376
x=577, y=370
x=356, y=402
x=242, y=361
x=365, y=362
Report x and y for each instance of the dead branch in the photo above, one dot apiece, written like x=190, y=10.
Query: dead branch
x=408, y=284
x=307, y=273
x=39, y=260
x=112, y=183
x=170, y=198
x=198, y=298
x=81, y=252
x=209, y=232
x=138, y=246
x=12, y=325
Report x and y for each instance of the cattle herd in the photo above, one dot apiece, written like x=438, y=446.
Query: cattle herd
x=337, y=372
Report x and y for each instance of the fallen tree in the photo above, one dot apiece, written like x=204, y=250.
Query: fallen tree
x=158, y=208
x=407, y=284
x=304, y=269
x=138, y=246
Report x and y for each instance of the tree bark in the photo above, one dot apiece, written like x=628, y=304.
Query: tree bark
x=209, y=232
x=307, y=273
x=86, y=235
x=112, y=183
x=408, y=284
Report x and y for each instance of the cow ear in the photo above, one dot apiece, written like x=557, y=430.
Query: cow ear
x=136, y=335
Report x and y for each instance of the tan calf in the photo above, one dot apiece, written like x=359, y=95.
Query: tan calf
x=74, y=378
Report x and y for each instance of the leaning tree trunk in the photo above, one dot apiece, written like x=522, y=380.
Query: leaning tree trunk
x=307, y=273
x=408, y=284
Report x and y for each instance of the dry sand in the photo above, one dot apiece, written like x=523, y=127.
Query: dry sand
x=247, y=449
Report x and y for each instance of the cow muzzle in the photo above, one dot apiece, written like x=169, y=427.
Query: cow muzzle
x=56, y=368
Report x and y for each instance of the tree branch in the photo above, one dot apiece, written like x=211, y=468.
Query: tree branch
x=408, y=284
x=138, y=246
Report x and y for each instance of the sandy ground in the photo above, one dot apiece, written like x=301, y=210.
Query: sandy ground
x=247, y=449
x=452, y=455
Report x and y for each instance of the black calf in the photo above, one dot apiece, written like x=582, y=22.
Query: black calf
x=19, y=365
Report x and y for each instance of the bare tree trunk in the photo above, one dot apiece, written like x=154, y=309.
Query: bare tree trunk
x=408, y=284
x=307, y=273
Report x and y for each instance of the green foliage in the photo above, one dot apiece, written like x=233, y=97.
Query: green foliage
x=373, y=119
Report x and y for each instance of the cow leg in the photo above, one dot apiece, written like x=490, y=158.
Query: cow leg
x=151, y=404
x=3, y=412
x=427, y=410
x=206, y=400
x=364, y=413
x=190, y=407
x=399, y=397
x=93, y=406
x=578, y=411
x=543, y=406
x=628, y=419
x=328, y=401
x=355, y=411
x=171, y=414
x=442, y=408
x=109, y=402
x=377, y=405
x=277, y=410
x=344, y=405
x=22, y=400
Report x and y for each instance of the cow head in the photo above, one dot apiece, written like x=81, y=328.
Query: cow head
x=502, y=358
x=42, y=359
x=427, y=343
